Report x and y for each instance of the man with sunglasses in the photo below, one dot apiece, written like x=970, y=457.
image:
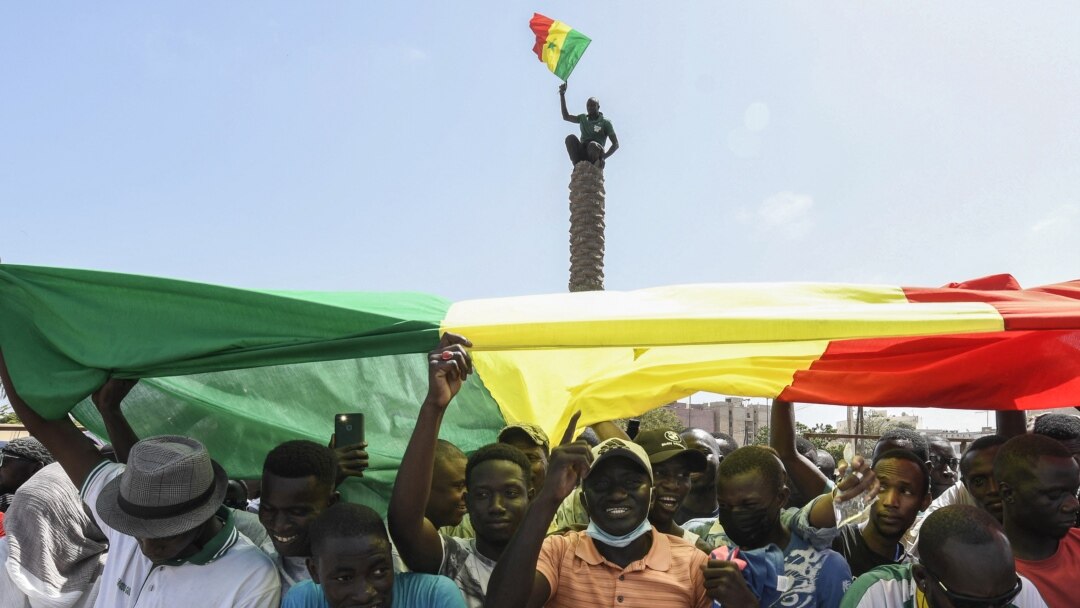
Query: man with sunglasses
x=1038, y=482
x=966, y=563
x=943, y=464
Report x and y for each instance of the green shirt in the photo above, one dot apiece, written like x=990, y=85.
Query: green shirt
x=595, y=130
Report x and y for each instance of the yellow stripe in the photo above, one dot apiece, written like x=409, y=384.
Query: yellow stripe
x=617, y=354
x=556, y=35
x=548, y=386
x=710, y=314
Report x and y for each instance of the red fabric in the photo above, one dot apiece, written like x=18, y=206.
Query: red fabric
x=1011, y=370
x=540, y=26
x=1049, y=307
x=2, y=532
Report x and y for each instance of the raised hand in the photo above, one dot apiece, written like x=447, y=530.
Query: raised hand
x=562, y=89
x=568, y=465
x=109, y=396
x=352, y=459
x=448, y=367
x=859, y=478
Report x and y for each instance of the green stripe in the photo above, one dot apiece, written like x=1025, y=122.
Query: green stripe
x=240, y=415
x=63, y=332
x=573, y=48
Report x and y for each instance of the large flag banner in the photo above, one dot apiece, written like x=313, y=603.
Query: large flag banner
x=558, y=45
x=243, y=370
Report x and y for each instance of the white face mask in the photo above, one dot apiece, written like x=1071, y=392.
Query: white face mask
x=600, y=535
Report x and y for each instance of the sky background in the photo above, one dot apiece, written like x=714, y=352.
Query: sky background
x=418, y=145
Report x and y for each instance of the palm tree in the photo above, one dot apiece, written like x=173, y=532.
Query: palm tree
x=586, y=228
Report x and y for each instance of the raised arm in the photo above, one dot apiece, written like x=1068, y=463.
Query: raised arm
x=566, y=115
x=415, y=537
x=107, y=399
x=73, y=450
x=607, y=430
x=1011, y=424
x=510, y=585
x=808, y=479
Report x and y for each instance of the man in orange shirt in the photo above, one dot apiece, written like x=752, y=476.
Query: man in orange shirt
x=620, y=560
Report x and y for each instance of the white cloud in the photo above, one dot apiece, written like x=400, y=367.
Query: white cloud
x=786, y=212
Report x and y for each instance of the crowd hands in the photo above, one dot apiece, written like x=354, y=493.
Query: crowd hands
x=667, y=518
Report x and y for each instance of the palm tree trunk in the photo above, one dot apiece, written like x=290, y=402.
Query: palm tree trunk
x=586, y=228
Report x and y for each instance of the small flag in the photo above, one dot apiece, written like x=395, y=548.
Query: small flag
x=557, y=44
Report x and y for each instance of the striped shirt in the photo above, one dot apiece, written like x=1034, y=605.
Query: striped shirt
x=669, y=576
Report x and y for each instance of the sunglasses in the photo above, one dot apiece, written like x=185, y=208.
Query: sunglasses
x=959, y=600
x=941, y=461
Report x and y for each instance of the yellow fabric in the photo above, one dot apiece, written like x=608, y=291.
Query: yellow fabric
x=618, y=354
x=556, y=35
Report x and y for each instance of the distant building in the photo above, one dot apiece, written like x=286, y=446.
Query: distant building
x=908, y=419
x=735, y=416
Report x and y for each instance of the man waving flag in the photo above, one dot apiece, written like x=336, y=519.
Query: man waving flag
x=557, y=44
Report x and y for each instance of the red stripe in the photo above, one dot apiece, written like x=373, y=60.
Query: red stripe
x=1015, y=370
x=1050, y=307
x=540, y=25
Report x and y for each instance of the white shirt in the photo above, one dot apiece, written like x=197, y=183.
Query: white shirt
x=956, y=495
x=236, y=574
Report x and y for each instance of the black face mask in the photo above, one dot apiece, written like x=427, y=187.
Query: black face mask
x=748, y=528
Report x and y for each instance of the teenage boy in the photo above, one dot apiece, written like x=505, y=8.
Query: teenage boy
x=966, y=561
x=752, y=492
x=298, y=483
x=905, y=490
x=351, y=565
x=496, y=480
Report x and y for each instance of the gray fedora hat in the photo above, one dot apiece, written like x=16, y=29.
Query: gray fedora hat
x=170, y=486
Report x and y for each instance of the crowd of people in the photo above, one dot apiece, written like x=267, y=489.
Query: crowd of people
x=667, y=518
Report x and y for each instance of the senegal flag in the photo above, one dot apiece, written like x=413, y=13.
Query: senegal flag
x=243, y=370
x=557, y=44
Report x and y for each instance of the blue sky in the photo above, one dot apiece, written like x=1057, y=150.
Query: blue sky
x=418, y=145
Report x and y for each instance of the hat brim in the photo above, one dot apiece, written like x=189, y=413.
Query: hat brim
x=695, y=460
x=108, y=509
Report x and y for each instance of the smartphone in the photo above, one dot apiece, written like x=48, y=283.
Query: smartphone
x=632, y=428
x=348, y=429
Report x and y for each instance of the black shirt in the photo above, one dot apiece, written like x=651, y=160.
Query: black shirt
x=859, y=555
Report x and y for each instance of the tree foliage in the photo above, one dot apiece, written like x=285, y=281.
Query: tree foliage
x=659, y=418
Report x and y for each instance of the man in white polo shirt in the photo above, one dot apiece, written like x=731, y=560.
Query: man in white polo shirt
x=171, y=542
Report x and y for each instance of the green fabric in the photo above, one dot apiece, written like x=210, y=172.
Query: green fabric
x=595, y=130
x=240, y=415
x=63, y=332
x=573, y=47
x=241, y=371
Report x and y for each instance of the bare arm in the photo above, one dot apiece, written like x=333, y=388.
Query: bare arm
x=608, y=430
x=416, y=538
x=809, y=480
x=1011, y=424
x=510, y=586
x=566, y=115
x=614, y=146
x=68, y=446
x=107, y=399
